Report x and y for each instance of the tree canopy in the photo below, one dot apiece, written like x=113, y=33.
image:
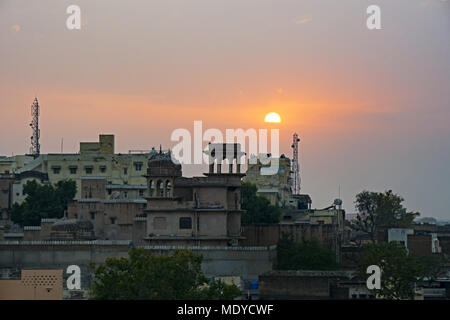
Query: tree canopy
x=147, y=276
x=309, y=255
x=258, y=209
x=43, y=201
x=400, y=270
x=381, y=209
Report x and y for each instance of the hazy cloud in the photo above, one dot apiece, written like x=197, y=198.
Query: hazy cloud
x=303, y=20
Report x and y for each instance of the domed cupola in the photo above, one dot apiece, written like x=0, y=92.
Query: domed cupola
x=161, y=173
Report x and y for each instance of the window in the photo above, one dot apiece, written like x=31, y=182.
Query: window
x=102, y=169
x=109, y=191
x=89, y=169
x=92, y=215
x=125, y=194
x=161, y=188
x=113, y=220
x=56, y=169
x=138, y=166
x=141, y=193
x=73, y=169
x=185, y=223
x=125, y=170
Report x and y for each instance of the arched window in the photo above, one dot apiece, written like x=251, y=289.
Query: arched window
x=152, y=188
x=168, y=188
x=160, y=188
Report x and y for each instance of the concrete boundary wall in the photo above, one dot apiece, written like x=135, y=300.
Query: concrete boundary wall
x=65, y=243
x=245, y=262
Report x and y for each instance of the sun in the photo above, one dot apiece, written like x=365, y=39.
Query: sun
x=272, y=117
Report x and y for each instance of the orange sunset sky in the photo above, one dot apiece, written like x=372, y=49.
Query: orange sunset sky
x=372, y=108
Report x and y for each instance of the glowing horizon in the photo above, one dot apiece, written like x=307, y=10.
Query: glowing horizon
x=371, y=107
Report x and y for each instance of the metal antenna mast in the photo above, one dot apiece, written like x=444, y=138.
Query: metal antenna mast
x=295, y=166
x=35, y=146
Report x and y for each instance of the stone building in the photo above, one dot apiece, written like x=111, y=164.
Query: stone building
x=20, y=179
x=12, y=164
x=112, y=218
x=193, y=211
x=95, y=159
x=275, y=187
x=6, y=195
x=11, y=190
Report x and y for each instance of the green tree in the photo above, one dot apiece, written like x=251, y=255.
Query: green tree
x=304, y=256
x=378, y=209
x=43, y=201
x=431, y=267
x=400, y=270
x=258, y=209
x=147, y=276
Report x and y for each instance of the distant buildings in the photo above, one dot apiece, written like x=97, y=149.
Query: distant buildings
x=123, y=173
x=200, y=211
x=298, y=219
x=275, y=187
x=142, y=200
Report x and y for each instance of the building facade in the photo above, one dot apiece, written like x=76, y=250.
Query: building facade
x=95, y=159
x=275, y=187
x=192, y=211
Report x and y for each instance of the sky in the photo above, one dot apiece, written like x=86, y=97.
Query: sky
x=372, y=107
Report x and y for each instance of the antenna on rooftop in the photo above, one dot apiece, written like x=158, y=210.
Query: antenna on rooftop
x=35, y=149
x=295, y=166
